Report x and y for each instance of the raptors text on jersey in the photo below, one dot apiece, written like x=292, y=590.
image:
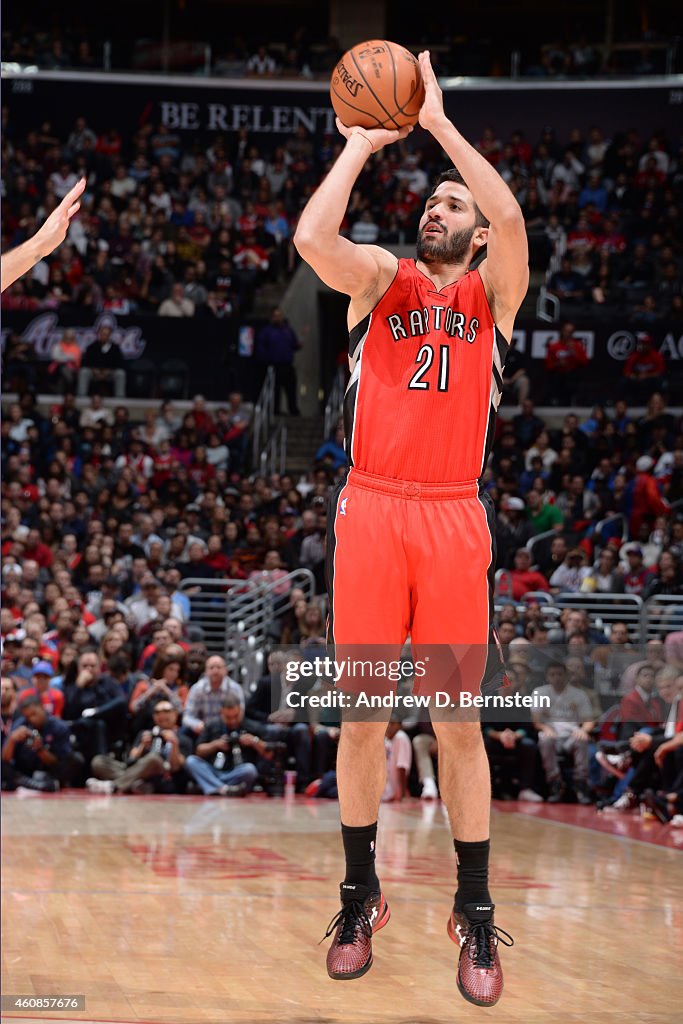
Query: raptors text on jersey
x=426, y=381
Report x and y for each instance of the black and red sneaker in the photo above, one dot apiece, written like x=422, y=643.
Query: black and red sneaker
x=480, y=976
x=363, y=912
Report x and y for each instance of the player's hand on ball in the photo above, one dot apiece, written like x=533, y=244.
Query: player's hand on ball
x=377, y=137
x=431, y=111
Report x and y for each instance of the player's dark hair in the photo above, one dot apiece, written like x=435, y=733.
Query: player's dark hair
x=454, y=175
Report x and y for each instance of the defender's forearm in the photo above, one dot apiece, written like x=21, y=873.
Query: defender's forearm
x=18, y=261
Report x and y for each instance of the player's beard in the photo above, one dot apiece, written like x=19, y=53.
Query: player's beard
x=444, y=248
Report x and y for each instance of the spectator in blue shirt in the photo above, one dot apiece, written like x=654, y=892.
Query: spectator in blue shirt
x=594, y=193
x=332, y=452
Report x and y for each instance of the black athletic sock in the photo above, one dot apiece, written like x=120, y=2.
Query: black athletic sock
x=473, y=872
x=359, y=850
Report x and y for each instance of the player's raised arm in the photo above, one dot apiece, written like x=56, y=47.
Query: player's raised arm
x=46, y=239
x=353, y=269
x=506, y=269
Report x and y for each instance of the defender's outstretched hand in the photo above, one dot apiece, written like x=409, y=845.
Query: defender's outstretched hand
x=46, y=239
x=53, y=231
x=431, y=111
x=376, y=137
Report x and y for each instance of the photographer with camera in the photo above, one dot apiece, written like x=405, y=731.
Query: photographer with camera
x=228, y=750
x=38, y=750
x=156, y=760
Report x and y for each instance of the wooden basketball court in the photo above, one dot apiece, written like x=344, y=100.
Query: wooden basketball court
x=176, y=910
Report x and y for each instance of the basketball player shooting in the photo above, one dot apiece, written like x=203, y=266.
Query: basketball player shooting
x=410, y=547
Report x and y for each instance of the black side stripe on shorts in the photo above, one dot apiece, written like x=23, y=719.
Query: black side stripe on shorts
x=330, y=549
x=495, y=664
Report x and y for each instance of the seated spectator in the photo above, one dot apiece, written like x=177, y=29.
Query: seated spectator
x=655, y=747
x=526, y=424
x=640, y=708
x=167, y=683
x=512, y=529
x=66, y=358
x=271, y=573
x=569, y=577
x=96, y=707
x=8, y=712
x=543, y=515
x=668, y=581
x=365, y=231
x=567, y=285
x=281, y=723
x=155, y=763
x=51, y=698
x=142, y=608
x=511, y=747
x=564, y=727
x=541, y=448
x=644, y=370
x=565, y=364
x=196, y=566
x=637, y=577
x=37, y=754
x=333, y=453
x=205, y=697
x=605, y=577
x=261, y=64
x=102, y=363
x=549, y=558
x=228, y=750
x=578, y=505
x=516, y=376
x=177, y=304
x=26, y=657
x=524, y=578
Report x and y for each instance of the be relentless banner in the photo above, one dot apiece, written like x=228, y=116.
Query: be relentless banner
x=198, y=108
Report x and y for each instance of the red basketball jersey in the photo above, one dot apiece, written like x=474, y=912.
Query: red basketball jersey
x=426, y=381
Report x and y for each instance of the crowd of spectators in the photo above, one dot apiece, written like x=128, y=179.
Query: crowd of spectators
x=194, y=230
x=103, y=518
x=305, y=51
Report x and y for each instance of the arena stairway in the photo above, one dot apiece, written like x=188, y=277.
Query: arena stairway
x=304, y=437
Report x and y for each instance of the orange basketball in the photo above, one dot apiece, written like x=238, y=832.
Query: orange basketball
x=377, y=85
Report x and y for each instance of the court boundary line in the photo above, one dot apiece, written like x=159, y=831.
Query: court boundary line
x=589, y=828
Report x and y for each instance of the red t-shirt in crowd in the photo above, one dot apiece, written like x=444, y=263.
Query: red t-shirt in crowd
x=523, y=582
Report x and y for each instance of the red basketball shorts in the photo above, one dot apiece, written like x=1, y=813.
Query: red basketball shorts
x=412, y=559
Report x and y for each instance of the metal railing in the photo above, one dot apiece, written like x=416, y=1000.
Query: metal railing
x=273, y=456
x=534, y=542
x=264, y=416
x=652, y=619
x=547, y=306
x=335, y=402
x=661, y=614
x=237, y=616
x=604, y=529
x=605, y=608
